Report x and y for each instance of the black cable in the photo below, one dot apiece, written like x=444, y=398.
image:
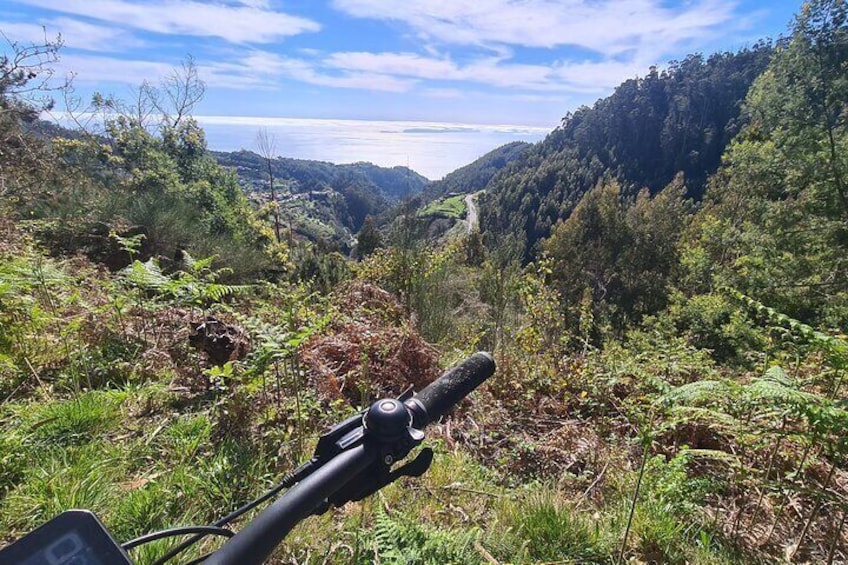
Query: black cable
x=162, y=534
x=289, y=480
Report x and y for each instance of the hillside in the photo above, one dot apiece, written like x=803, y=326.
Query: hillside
x=442, y=205
x=324, y=201
x=648, y=130
x=476, y=175
x=392, y=184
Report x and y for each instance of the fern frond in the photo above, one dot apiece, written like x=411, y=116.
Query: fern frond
x=835, y=347
x=698, y=392
x=777, y=387
x=713, y=419
x=146, y=276
x=778, y=375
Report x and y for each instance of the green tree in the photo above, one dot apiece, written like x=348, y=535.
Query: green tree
x=368, y=239
x=149, y=172
x=774, y=224
x=26, y=71
x=644, y=134
x=620, y=256
x=800, y=102
x=266, y=143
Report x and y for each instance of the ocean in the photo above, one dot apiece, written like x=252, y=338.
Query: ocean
x=432, y=149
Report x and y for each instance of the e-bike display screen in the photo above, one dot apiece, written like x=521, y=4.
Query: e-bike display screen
x=75, y=537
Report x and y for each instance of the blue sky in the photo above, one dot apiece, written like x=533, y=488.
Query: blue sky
x=514, y=62
x=486, y=61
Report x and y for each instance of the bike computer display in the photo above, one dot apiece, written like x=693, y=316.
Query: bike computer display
x=75, y=537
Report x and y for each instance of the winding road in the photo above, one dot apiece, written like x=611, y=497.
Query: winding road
x=471, y=218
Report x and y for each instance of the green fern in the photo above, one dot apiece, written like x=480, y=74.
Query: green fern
x=195, y=287
x=698, y=392
x=835, y=348
x=776, y=387
x=713, y=419
x=390, y=537
x=145, y=276
x=399, y=541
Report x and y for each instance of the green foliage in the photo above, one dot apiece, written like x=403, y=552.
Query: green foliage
x=400, y=541
x=678, y=383
x=193, y=286
x=452, y=207
x=431, y=283
x=715, y=323
x=138, y=179
x=368, y=239
x=622, y=256
x=26, y=89
x=393, y=183
x=60, y=480
x=774, y=225
x=76, y=421
x=643, y=135
x=475, y=176
x=835, y=348
x=320, y=200
x=556, y=532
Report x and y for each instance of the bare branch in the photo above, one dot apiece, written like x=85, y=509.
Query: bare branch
x=26, y=73
x=179, y=93
x=266, y=143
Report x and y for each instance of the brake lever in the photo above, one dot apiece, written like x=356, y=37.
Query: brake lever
x=375, y=478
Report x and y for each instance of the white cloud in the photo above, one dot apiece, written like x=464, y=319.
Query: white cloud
x=593, y=44
x=26, y=33
x=95, y=69
x=491, y=71
x=81, y=35
x=263, y=4
x=444, y=93
x=611, y=27
x=75, y=34
x=247, y=22
x=252, y=70
x=268, y=68
x=405, y=64
x=487, y=70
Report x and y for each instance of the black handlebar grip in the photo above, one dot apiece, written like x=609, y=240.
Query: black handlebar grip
x=444, y=393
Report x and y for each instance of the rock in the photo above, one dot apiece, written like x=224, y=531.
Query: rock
x=222, y=342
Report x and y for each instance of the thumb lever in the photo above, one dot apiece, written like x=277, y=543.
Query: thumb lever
x=375, y=478
x=414, y=468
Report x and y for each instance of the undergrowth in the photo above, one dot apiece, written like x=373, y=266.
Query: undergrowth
x=646, y=450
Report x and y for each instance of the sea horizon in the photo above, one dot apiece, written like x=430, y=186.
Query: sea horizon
x=430, y=148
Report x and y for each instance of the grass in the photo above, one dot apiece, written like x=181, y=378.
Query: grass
x=151, y=452
x=452, y=207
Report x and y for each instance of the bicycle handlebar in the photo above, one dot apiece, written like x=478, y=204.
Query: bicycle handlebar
x=444, y=393
x=359, y=449
x=352, y=460
x=256, y=541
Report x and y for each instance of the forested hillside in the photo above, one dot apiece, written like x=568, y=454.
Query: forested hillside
x=679, y=119
x=322, y=201
x=476, y=176
x=392, y=184
x=662, y=282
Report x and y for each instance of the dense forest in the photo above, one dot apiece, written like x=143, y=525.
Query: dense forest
x=676, y=120
x=663, y=282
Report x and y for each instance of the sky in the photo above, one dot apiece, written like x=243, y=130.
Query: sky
x=461, y=66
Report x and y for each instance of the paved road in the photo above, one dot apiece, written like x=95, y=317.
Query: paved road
x=471, y=218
